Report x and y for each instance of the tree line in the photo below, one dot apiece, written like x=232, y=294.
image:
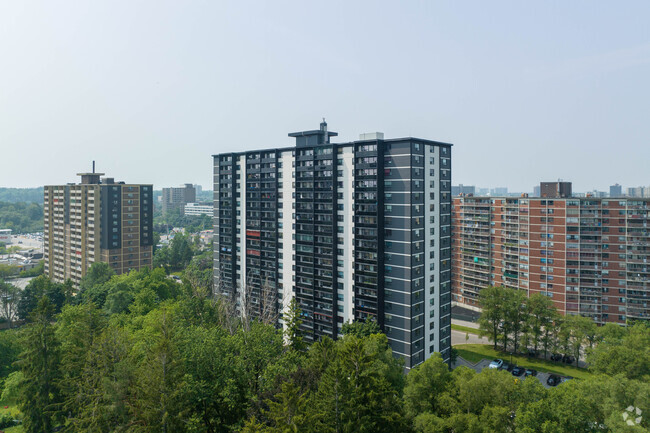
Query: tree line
x=142, y=353
x=518, y=323
x=21, y=217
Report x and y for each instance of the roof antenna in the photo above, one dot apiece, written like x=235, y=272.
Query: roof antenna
x=93, y=167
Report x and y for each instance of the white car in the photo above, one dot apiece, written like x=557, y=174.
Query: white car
x=497, y=363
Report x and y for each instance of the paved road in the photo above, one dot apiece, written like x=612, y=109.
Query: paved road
x=458, y=337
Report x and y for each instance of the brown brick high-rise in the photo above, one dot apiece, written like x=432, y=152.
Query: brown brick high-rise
x=96, y=221
x=589, y=255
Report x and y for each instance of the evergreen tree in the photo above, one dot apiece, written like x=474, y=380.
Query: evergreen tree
x=292, y=322
x=40, y=398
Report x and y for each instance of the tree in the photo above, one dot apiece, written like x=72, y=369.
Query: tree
x=12, y=386
x=35, y=290
x=515, y=315
x=292, y=322
x=10, y=349
x=77, y=328
x=159, y=386
x=540, y=316
x=356, y=393
x=492, y=315
x=39, y=399
x=361, y=328
x=9, y=295
x=629, y=355
x=98, y=274
x=424, y=386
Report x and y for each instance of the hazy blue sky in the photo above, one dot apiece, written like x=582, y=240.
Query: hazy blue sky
x=151, y=89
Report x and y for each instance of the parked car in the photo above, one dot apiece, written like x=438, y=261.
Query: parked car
x=517, y=371
x=568, y=359
x=531, y=372
x=505, y=366
x=553, y=380
x=556, y=357
x=566, y=379
x=497, y=363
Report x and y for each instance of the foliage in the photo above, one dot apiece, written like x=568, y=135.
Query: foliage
x=623, y=350
x=35, y=271
x=39, y=363
x=140, y=352
x=10, y=348
x=17, y=195
x=9, y=295
x=361, y=328
x=177, y=255
x=21, y=217
x=40, y=287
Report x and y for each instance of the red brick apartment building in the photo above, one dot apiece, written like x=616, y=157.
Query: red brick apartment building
x=589, y=255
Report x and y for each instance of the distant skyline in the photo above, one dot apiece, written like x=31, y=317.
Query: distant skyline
x=150, y=90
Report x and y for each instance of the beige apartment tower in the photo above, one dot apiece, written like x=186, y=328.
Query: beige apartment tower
x=97, y=220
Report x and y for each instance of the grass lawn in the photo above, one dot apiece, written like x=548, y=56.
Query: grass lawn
x=465, y=329
x=476, y=352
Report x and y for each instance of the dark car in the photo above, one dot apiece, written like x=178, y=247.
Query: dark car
x=566, y=379
x=568, y=359
x=553, y=380
x=531, y=372
x=517, y=371
x=505, y=366
x=556, y=357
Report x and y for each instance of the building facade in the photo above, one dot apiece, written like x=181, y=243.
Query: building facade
x=616, y=190
x=353, y=231
x=5, y=236
x=589, y=255
x=557, y=189
x=97, y=220
x=177, y=198
x=198, y=209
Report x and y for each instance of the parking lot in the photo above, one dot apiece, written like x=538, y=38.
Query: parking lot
x=478, y=367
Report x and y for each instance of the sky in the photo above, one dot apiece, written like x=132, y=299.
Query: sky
x=150, y=90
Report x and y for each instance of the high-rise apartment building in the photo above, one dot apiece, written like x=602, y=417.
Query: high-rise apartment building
x=97, y=220
x=353, y=231
x=557, y=189
x=589, y=255
x=177, y=198
x=616, y=190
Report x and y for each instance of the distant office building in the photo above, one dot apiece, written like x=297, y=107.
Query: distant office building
x=639, y=192
x=198, y=189
x=588, y=255
x=616, y=190
x=5, y=236
x=353, y=231
x=97, y=220
x=536, y=191
x=198, y=209
x=499, y=191
x=463, y=189
x=557, y=189
x=177, y=198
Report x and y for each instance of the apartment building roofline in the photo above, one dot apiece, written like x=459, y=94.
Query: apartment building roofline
x=389, y=140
